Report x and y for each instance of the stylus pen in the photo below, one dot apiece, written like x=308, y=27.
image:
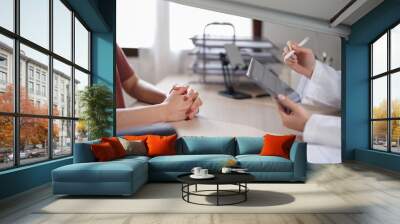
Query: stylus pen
x=288, y=55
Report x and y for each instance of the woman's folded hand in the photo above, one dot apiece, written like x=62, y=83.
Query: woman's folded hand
x=193, y=95
x=182, y=103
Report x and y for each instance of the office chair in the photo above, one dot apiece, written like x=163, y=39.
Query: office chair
x=230, y=90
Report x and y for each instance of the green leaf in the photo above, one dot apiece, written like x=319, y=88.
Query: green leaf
x=97, y=104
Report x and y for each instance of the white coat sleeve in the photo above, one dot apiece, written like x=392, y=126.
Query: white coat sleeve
x=302, y=83
x=323, y=130
x=324, y=87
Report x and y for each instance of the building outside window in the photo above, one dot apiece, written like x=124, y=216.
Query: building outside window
x=30, y=87
x=30, y=72
x=3, y=72
x=37, y=74
x=56, y=128
x=3, y=61
x=385, y=91
x=44, y=77
x=38, y=89
x=3, y=78
x=43, y=90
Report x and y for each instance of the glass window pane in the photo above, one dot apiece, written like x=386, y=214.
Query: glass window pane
x=379, y=135
x=81, y=131
x=7, y=14
x=379, y=97
x=395, y=136
x=6, y=74
x=62, y=89
x=395, y=94
x=34, y=97
x=33, y=139
x=62, y=138
x=81, y=45
x=379, y=55
x=62, y=29
x=6, y=142
x=34, y=21
x=395, y=47
x=81, y=81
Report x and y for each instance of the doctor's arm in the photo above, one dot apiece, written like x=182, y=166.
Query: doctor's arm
x=324, y=87
x=323, y=130
x=323, y=83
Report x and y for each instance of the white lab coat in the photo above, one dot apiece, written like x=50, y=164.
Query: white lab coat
x=322, y=133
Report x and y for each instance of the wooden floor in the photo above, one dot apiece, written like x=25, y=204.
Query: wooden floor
x=379, y=189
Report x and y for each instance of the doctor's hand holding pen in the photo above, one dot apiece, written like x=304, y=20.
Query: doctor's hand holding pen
x=302, y=60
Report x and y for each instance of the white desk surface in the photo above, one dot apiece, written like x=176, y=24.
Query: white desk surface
x=222, y=116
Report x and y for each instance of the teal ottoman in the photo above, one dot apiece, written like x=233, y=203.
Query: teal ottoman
x=119, y=177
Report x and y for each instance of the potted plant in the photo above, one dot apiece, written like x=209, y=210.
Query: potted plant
x=96, y=103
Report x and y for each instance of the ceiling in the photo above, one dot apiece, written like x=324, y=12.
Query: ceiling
x=313, y=15
x=320, y=9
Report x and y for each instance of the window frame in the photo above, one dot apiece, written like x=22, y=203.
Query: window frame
x=388, y=74
x=16, y=115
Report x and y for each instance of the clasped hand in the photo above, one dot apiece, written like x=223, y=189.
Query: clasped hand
x=182, y=103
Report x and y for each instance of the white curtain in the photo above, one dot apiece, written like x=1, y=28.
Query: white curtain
x=161, y=30
x=145, y=25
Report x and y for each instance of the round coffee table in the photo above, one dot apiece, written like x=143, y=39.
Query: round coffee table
x=238, y=179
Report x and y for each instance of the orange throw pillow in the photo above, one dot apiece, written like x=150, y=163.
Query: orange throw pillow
x=161, y=145
x=116, y=145
x=103, y=152
x=136, y=137
x=277, y=145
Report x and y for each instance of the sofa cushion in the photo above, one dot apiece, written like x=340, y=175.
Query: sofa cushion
x=116, y=145
x=277, y=145
x=136, y=137
x=134, y=147
x=161, y=145
x=198, y=145
x=112, y=171
x=249, y=145
x=185, y=163
x=103, y=152
x=257, y=163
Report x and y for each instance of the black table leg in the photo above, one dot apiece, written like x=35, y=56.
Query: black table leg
x=182, y=190
x=188, y=190
x=217, y=194
x=220, y=193
x=245, y=193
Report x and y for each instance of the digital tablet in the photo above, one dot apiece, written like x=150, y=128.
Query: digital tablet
x=269, y=80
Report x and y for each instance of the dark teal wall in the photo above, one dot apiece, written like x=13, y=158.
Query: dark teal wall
x=99, y=16
x=356, y=104
x=103, y=52
x=355, y=81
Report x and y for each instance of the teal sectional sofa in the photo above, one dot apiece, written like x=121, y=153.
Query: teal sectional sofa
x=125, y=176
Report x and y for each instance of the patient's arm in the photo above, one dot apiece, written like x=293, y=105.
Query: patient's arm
x=138, y=116
x=143, y=91
x=132, y=84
